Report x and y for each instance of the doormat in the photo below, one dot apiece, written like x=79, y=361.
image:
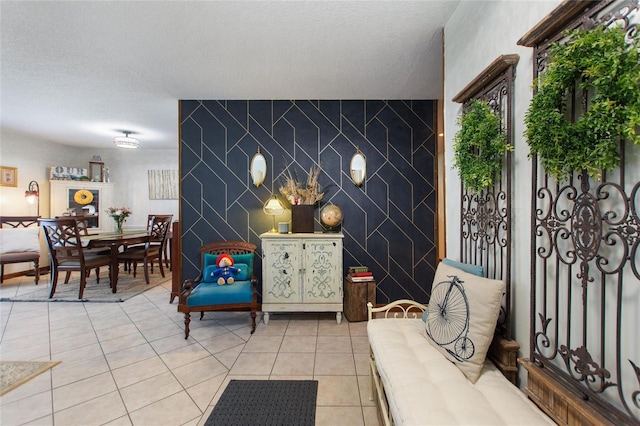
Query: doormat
x=15, y=373
x=266, y=402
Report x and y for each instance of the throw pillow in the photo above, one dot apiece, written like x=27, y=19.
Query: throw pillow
x=247, y=259
x=208, y=276
x=463, y=311
x=425, y=315
x=16, y=240
x=467, y=267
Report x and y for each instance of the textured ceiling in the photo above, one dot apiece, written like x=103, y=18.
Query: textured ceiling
x=79, y=72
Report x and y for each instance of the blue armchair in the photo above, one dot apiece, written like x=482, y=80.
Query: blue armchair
x=204, y=294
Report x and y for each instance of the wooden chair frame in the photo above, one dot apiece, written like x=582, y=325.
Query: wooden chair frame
x=67, y=254
x=158, y=227
x=17, y=222
x=229, y=247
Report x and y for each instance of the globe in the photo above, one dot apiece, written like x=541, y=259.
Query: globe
x=331, y=217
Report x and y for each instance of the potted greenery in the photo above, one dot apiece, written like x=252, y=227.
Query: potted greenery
x=479, y=146
x=603, y=62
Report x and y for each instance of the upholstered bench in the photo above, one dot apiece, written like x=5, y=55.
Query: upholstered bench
x=19, y=242
x=432, y=369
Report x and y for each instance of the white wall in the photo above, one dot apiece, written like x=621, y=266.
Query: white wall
x=476, y=34
x=128, y=172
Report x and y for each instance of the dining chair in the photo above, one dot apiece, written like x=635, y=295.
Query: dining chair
x=151, y=250
x=204, y=294
x=83, y=229
x=66, y=252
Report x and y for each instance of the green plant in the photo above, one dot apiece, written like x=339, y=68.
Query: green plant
x=479, y=146
x=605, y=65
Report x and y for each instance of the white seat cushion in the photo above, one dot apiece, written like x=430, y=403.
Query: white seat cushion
x=424, y=388
x=16, y=240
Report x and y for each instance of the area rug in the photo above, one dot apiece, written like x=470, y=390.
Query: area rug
x=266, y=402
x=93, y=291
x=15, y=373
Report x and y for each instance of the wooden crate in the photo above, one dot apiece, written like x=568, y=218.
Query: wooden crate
x=356, y=296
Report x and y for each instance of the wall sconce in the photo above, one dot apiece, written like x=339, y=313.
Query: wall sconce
x=258, y=168
x=273, y=207
x=32, y=194
x=358, y=167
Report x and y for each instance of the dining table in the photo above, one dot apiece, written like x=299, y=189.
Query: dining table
x=114, y=241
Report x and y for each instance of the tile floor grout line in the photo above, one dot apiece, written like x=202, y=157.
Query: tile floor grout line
x=154, y=301
x=118, y=388
x=51, y=388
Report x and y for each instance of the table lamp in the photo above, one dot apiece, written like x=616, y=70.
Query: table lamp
x=274, y=208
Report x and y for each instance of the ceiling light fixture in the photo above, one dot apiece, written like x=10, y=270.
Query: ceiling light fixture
x=125, y=141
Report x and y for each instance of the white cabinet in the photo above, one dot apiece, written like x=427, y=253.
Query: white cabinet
x=64, y=201
x=302, y=273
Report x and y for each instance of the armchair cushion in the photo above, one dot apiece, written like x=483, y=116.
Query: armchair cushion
x=207, y=293
x=242, y=275
x=247, y=259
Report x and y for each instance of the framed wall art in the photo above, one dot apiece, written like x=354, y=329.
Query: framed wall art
x=68, y=173
x=163, y=184
x=96, y=171
x=9, y=176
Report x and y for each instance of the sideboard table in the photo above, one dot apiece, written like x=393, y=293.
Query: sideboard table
x=302, y=272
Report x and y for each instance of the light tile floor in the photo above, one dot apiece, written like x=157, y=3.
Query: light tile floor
x=129, y=364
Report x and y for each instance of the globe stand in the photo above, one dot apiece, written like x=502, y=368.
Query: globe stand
x=331, y=229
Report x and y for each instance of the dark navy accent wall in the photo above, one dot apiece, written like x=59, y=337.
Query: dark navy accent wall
x=389, y=222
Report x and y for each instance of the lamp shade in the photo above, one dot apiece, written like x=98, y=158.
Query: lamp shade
x=126, y=141
x=273, y=207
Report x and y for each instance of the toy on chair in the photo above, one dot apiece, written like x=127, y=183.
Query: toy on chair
x=225, y=270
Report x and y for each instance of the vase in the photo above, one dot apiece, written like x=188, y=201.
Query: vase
x=302, y=218
x=118, y=226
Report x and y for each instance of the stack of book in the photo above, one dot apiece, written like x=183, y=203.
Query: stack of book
x=359, y=273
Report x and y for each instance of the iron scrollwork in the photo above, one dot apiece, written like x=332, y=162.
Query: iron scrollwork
x=585, y=262
x=485, y=222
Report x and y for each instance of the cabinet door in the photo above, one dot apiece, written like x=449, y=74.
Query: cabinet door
x=322, y=271
x=281, y=271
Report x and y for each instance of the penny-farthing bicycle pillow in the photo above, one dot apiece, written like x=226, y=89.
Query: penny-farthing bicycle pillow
x=463, y=312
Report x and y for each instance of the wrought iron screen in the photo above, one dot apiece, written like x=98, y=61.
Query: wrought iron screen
x=585, y=277
x=485, y=217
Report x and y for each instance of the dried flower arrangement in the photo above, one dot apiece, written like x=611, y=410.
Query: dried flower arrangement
x=297, y=193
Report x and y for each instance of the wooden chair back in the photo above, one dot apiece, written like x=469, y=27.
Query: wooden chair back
x=63, y=238
x=82, y=223
x=67, y=253
x=18, y=221
x=159, y=225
